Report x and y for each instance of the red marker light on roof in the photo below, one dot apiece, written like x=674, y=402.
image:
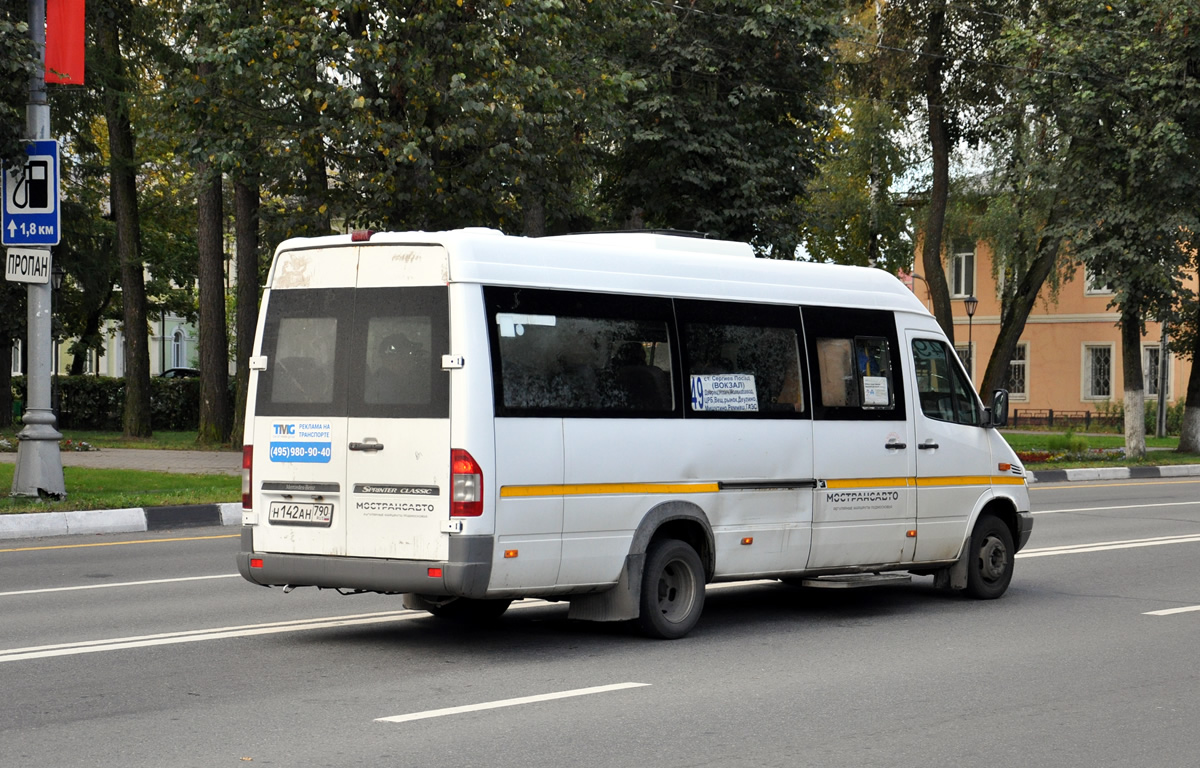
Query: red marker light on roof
x=361, y=235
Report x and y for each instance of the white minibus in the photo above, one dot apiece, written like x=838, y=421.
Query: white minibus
x=613, y=419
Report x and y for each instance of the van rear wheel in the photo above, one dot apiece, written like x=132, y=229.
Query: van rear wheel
x=990, y=558
x=470, y=611
x=672, y=590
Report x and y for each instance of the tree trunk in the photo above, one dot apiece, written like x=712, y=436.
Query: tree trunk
x=534, y=206
x=1016, y=308
x=1135, y=393
x=1189, y=433
x=939, y=143
x=214, y=344
x=246, y=206
x=123, y=194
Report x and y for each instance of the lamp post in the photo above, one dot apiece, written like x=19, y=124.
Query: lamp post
x=971, y=304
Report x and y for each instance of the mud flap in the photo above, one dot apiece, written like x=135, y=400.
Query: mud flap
x=954, y=577
x=620, y=603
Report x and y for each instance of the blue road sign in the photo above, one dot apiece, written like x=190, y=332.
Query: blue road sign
x=31, y=197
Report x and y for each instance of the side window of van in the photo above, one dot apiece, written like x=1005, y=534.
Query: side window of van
x=578, y=354
x=856, y=356
x=943, y=389
x=741, y=361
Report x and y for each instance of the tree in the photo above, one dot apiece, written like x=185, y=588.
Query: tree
x=18, y=64
x=113, y=25
x=1118, y=81
x=853, y=214
x=722, y=139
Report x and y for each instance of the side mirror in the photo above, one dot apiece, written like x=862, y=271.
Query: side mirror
x=999, y=409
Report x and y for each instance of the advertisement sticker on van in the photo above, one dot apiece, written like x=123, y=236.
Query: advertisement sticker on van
x=302, y=442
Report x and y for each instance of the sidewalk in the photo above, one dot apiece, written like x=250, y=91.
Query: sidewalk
x=230, y=462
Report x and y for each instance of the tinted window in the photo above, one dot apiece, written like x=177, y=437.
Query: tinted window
x=741, y=360
x=400, y=335
x=369, y=352
x=563, y=352
x=856, y=358
x=944, y=391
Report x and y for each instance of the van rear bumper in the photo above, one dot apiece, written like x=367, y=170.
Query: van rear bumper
x=465, y=574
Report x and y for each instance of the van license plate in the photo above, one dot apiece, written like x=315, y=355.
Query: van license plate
x=287, y=513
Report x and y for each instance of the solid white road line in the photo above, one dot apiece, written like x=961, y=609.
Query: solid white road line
x=195, y=636
x=1119, y=506
x=1173, y=611
x=1104, y=546
x=508, y=702
x=118, y=584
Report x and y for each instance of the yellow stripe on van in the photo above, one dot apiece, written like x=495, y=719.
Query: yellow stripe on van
x=601, y=489
x=871, y=482
x=597, y=489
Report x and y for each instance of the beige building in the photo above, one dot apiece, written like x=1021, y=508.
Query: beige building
x=1069, y=356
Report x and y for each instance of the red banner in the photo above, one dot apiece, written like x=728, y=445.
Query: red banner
x=64, y=41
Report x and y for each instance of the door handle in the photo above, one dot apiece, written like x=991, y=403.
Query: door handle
x=371, y=446
x=897, y=446
x=928, y=445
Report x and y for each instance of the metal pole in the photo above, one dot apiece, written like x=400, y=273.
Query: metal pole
x=38, y=471
x=1163, y=351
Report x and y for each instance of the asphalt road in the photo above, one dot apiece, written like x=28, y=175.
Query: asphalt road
x=146, y=650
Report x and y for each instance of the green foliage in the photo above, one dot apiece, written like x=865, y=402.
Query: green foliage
x=1069, y=443
x=97, y=402
x=722, y=137
x=18, y=64
x=1118, y=80
x=1114, y=413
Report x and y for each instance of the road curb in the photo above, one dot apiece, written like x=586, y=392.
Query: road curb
x=39, y=524
x=1113, y=473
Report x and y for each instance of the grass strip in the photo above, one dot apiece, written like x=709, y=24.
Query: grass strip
x=120, y=488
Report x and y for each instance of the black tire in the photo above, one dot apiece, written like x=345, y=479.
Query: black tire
x=990, y=558
x=470, y=611
x=672, y=590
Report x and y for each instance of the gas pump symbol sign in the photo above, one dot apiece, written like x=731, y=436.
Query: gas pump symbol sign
x=31, y=210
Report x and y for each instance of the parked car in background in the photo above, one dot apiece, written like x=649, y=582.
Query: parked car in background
x=179, y=373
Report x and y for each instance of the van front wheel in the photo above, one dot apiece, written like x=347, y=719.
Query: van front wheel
x=672, y=590
x=990, y=563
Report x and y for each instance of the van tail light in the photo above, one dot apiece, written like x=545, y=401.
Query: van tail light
x=247, y=476
x=466, y=485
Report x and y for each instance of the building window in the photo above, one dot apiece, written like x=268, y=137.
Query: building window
x=1151, y=354
x=962, y=272
x=1094, y=286
x=177, y=349
x=1097, y=371
x=17, y=367
x=1018, y=372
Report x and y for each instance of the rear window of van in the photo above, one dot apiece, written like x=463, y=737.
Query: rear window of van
x=371, y=352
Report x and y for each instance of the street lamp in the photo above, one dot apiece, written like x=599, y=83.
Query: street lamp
x=971, y=304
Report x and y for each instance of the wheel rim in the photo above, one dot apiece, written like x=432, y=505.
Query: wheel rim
x=993, y=559
x=676, y=591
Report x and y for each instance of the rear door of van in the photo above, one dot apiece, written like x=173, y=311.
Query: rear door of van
x=352, y=427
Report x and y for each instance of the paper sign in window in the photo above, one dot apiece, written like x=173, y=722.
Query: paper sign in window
x=724, y=392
